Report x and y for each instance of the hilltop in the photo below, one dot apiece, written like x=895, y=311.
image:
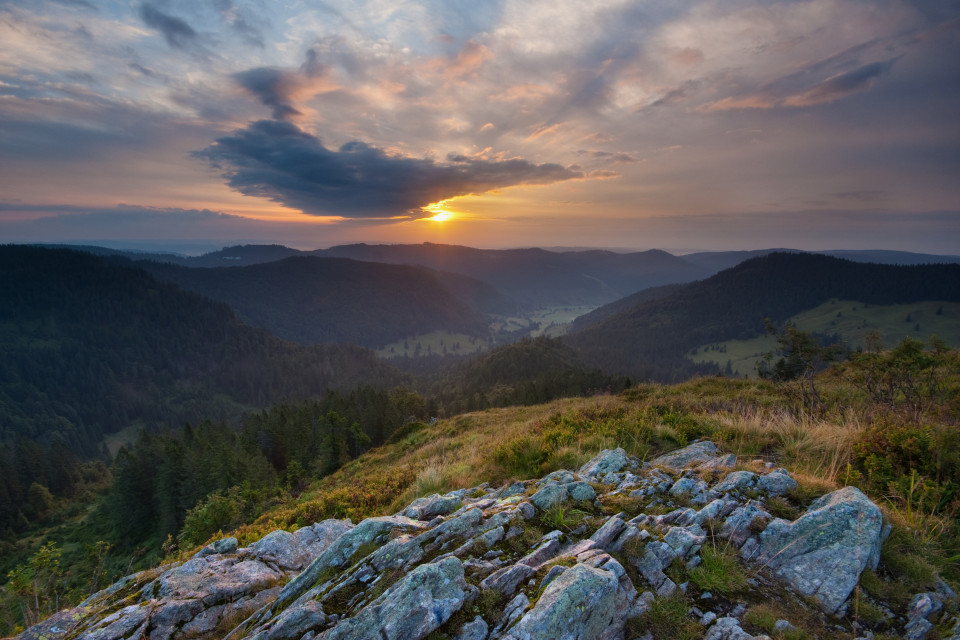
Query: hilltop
x=438, y=486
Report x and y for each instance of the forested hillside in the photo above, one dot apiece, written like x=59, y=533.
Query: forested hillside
x=526, y=372
x=650, y=338
x=88, y=348
x=320, y=300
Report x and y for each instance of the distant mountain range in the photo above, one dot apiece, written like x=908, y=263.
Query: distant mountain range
x=89, y=345
x=532, y=278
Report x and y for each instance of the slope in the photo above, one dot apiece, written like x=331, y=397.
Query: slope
x=88, y=348
x=321, y=300
x=650, y=339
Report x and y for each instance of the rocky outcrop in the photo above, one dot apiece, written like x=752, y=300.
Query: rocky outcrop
x=823, y=552
x=484, y=564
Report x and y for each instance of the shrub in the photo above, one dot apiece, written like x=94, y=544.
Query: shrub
x=917, y=465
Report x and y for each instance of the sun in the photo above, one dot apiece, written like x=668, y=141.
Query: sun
x=439, y=213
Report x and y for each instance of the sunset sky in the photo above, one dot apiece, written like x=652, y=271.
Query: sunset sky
x=684, y=125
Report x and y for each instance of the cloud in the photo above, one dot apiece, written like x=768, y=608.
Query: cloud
x=841, y=85
x=277, y=160
x=866, y=196
x=615, y=158
x=239, y=23
x=274, y=88
x=176, y=31
x=77, y=3
x=835, y=87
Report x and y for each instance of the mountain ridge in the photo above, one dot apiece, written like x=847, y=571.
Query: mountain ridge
x=651, y=337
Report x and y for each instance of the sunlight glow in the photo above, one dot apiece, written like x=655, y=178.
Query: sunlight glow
x=439, y=213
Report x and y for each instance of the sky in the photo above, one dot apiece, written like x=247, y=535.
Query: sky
x=628, y=124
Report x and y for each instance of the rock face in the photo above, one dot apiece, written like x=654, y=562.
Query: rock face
x=580, y=604
x=412, y=608
x=485, y=564
x=824, y=551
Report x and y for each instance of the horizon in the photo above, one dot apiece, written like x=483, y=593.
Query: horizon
x=201, y=248
x=699, y=126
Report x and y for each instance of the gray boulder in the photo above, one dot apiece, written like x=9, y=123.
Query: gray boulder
x=822, y=553
x=431, y=506
x=607, y=461
x=338, y=553
x=776, y=483
x=578, y=605
x=214, y=581
x=580, y=491
x=736, y=481
x=727, y=461
x=294, y=551
x=550, y=495
x=411, y=609
x=688, y=457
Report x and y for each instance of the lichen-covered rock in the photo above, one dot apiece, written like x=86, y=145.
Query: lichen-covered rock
x=215, y=580
x=609, y=531
x=337, y=554
x=404, y=577
x=688, y=457
x=549, y=495
x=580, y=491
x=776, y=483
x=558, y=477
x=607, y=461
x=727, y=629
x=578, y=605
x=432, y=506
x=412, y=608
x=687, y=487
x=476, y=629
x=507, y=579
x=822, y=553
x=727, y=461
x=736, y=481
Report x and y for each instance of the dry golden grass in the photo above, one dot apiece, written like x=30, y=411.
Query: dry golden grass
x=516, y=443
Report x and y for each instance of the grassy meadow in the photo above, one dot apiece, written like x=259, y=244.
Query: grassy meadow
x=852, y=321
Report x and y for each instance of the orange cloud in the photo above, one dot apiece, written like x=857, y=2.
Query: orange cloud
x=544, y=130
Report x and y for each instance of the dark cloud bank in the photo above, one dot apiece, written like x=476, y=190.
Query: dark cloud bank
x=278, y=161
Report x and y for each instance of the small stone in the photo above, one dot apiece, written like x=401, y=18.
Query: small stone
x=782, y=625
x=476, y=629
x=667, y=589
x=925, y=605
x=917, y=629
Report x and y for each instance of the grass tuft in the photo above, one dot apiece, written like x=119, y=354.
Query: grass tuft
x=720, y=572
